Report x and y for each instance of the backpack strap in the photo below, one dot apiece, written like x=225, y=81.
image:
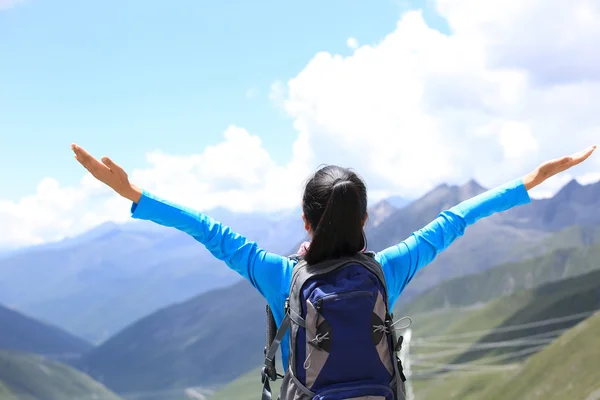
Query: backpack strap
x=269, y=372
x=269, y=367
x=274, y=338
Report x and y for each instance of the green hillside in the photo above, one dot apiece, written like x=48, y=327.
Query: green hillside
x=208, y=340
x=569, y=368
x=246, y=387
x=561, y=304
x=569, y=257
x=31, y=377
x=556, y=300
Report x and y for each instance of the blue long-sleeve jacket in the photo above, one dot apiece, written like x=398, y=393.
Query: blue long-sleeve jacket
x=271, y=274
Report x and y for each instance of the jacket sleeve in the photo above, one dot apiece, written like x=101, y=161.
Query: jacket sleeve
x=402, y=261
x=265, y=271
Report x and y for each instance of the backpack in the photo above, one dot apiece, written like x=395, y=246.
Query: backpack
x=342, y=339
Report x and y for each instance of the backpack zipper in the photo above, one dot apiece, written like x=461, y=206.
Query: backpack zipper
x=345, y=295
x=385, y=388
x=339, y=296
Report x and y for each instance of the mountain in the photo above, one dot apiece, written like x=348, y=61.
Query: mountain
x=98, y=283
x=492, y=241
x=573, y=204
x=253, y=333
x=32, y=377
x=198, y=343
x=22, y=333
x=569, y=254
x=568, y=368
x=207, y=340
x=379, y=213
x=398, y=201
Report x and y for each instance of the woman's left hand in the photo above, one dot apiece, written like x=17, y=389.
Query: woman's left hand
x=553, y=167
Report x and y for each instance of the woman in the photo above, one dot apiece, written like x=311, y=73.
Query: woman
x=334, y=213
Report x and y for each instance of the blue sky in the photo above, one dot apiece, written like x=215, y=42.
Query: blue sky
x=127, y=77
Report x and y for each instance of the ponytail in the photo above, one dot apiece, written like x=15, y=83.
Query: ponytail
x=339, y=231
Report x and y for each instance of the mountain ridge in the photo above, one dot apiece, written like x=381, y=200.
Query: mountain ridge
x=22, y=333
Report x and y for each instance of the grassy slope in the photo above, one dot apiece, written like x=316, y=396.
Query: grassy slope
x=569, y=368
x=246, y=387
x=557, y=299
x=31, y=377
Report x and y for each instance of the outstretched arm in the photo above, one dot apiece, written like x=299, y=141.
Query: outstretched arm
x=402, y=261
x=266, y=271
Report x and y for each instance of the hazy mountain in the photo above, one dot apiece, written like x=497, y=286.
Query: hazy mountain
x=398, y=201
x=574, y=204
x=569, y=255
x=96, y=284
x=209, y=339
x=491, y=241
x=379, y=213
x=22, y=333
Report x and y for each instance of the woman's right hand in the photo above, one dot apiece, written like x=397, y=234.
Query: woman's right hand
x=108, y=173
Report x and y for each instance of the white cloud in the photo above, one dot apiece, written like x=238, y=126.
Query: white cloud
x=277, y=92
x=515, y=84
x=237, y=173
x=352, y=43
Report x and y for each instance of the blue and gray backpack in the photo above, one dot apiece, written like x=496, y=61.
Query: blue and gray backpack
x=342, y=340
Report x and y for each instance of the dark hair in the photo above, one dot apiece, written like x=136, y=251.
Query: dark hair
x=335, y=205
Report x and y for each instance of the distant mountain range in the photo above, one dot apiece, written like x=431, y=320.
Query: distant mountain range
x=189, y=343
x=98, y=283
x=21, y=333
x=168, y=315
x=495, y=240
x=206, y=340
x=569, y=253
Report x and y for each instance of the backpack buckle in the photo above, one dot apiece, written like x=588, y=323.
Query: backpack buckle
x=268, y=373
x=399, y=344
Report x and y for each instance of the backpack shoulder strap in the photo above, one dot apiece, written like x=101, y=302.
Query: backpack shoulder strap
x=274, y=338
